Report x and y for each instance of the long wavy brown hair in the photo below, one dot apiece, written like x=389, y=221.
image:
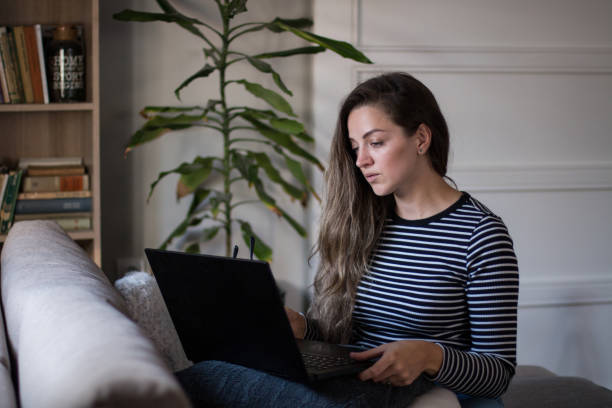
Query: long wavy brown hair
x=353, y=216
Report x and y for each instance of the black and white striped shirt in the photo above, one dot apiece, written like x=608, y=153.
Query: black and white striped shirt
x=451, y=279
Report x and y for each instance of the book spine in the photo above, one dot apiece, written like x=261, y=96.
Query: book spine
x=43, y=65
x=53, y=194
x=74, y=223
x=57, y=205
x=12, y=78
x=24, y=65
x=3, y=83
x=25, y=162
x=3, y=183
x=56, y=183
x=55, y=171
x=9, y=201
x=51, y=216
x=32, y=52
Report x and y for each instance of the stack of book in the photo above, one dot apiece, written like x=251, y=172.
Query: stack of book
x=23, y=78
x=9, y=188
x=55, y=188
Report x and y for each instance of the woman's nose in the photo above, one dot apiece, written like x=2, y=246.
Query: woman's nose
x=363, y=158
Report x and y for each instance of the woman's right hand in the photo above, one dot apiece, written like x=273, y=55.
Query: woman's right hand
x=297, y=321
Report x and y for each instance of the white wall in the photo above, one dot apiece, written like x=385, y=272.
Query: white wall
x=526, y=87
x=142, y=64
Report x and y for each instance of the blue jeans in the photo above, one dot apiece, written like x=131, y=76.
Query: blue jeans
x=471, y=402
x=221, y=384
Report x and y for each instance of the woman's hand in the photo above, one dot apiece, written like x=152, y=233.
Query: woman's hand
x=401, y=362
x=298, y=323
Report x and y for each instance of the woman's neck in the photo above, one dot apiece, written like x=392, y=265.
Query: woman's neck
x=429, y=196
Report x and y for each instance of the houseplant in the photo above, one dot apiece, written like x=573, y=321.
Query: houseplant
x=276, y=130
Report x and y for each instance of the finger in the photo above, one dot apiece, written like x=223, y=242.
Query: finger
x=376, y=370
x=368, y=354
x=386, y=376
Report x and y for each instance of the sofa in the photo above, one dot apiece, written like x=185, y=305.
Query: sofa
x=70, y=338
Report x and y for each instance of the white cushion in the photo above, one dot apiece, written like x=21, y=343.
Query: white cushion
x=66, y=324
x=146, y=306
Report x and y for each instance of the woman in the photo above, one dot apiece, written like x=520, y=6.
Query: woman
x=422, y=276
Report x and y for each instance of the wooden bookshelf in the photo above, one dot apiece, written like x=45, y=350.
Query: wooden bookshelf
x=59, y=129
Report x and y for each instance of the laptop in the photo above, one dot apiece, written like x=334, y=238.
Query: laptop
x=229, y=309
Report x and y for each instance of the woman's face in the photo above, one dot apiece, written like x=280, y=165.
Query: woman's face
x=384, y=153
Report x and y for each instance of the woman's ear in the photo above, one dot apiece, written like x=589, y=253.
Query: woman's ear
x=422, y=138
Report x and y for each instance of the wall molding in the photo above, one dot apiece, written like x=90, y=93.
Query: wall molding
x=357, y=39
x=555, y=292
x=562, y=177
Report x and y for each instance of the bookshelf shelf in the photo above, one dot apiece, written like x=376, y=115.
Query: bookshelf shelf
x=59, y=129
x=84, y=235
x=51, y=107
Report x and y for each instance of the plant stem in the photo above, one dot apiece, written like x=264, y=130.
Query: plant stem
x=225, y=130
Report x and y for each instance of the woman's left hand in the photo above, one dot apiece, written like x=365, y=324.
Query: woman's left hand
x=401, y=362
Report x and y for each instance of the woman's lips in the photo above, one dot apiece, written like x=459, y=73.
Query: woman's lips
x=371, y=177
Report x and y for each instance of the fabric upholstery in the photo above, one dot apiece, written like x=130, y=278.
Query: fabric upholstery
x=66, y=324
x=7, y=392
x=146, y=307
x=535, y=386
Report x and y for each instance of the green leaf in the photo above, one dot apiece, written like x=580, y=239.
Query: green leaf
x=270, y=203
x=193, y=248
x=158, y=125
x=272, y=98
x=264, y=162
x=284, y=125
x=267, y=68
x=289, y=126
x=275, y=25
x=199, y=195
x=261, y=250
x=187, y=23
x=148, y=110
x=202, y=73
x=294, y=51
x=297, y=171
x=209, y=233
x=177, y=232
x=339, y=47
x=282, y=139
x=192, y=174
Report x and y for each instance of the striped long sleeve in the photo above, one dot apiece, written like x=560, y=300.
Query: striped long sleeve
x=451, y=279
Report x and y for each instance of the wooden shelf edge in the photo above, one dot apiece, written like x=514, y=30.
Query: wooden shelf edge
x=84, y=235
x=50, y=107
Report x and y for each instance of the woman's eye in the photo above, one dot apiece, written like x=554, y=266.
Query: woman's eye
x=375, y=144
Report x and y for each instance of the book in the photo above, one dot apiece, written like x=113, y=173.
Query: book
x=3, y=183
x=41, y=58
x=34, y=63
x=68, y=221
x=23, y=62
x=26, y=162
x=57, y=205
x=55, y=170
x=10, y=66
x=39, y=195
x=3, y=83
x=55, y=183
x=9, y=201
x=50, y=216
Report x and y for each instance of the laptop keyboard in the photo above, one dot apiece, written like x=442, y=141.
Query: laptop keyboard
x=322, y=362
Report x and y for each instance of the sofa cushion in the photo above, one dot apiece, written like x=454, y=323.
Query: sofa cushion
x=550, y=391
x=7, y=391
x=146, y=307
x=67, y=327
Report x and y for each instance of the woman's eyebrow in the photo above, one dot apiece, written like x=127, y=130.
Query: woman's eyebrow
x=370, y=132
